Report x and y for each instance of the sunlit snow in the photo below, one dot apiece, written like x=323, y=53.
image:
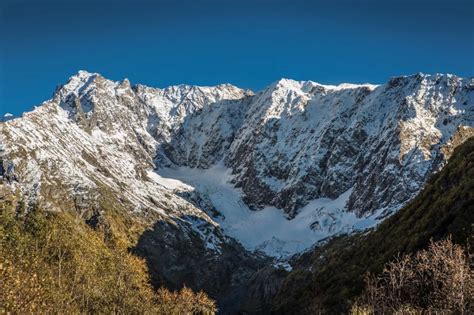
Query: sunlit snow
x=268, y=229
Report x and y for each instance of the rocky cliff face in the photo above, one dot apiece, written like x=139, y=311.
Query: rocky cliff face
x=297, y=141
x=95, y=143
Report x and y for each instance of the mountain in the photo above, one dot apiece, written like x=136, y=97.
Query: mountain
x=207, y=182
x=89, y=150
x=292, y=144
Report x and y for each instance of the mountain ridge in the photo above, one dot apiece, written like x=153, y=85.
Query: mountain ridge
x=289, y=144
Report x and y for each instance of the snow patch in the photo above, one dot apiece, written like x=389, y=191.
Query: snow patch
x=169, y=183
x=268, y=230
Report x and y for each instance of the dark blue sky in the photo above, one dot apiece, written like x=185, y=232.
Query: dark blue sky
x=247, y=43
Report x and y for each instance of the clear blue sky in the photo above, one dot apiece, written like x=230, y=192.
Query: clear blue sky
x=247, y=43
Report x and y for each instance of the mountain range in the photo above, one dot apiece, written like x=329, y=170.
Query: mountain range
x=220, y=182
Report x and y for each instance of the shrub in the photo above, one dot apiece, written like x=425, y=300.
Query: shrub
x=55, y=263
x=436, y=280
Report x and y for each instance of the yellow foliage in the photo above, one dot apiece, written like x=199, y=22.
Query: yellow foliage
x=185, y=302
x=54, y=263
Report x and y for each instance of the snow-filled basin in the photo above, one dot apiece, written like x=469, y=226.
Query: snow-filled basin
x=268, y=229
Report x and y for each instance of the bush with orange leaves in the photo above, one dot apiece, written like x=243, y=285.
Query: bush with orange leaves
x=20, y=290
x=436, y=280
x=185, y=302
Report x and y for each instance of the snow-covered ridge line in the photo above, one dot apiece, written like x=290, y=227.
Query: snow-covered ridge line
x=309, y=85
x=83, y=78
x=84, y=75
x=289, y=147
x=78, y=80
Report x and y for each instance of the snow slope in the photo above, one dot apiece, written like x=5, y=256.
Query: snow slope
x=268, y=229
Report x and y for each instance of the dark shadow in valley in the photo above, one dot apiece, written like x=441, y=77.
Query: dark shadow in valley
x=176, y=255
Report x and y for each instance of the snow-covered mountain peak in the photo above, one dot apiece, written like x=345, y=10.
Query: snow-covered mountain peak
x=84, y=74
x=311, y=87
x=79, y=79
x=285, y=83
x=77, y=84
x=126, y=82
